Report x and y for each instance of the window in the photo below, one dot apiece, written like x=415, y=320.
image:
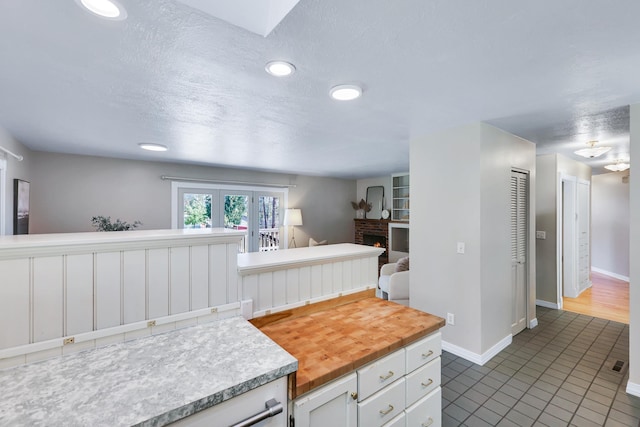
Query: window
x=259, y=211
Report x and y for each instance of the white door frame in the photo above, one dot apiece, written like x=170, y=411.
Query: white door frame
x=3, y=195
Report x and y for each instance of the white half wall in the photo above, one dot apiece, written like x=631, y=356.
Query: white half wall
x=610, y=223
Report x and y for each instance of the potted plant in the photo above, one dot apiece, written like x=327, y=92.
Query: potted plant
x=101, y=223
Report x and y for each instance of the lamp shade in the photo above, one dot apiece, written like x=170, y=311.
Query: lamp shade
x=293, y=217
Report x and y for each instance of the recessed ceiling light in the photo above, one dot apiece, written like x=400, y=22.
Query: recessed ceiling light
x=153, y=147
x=345, y=92
x=109, y=9
x=280, y=68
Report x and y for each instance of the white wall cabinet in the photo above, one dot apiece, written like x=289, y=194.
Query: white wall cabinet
x=400, y=389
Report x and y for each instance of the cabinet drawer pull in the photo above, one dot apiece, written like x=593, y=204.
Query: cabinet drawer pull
x=424, y=356
x=428, y=383
x=354, y=395
x=389, y=409
x=386, y=377
x=428, y=423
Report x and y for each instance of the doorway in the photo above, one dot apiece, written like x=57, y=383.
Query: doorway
x=519, y=249
x=574, y=255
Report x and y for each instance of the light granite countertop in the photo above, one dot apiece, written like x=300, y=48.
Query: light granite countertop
x=148, y=381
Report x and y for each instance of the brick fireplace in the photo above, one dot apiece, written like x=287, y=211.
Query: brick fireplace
x=366, y=232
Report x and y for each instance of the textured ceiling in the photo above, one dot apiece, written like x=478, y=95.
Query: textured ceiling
x=558, y=73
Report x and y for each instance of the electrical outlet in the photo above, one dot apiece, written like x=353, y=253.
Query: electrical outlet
x=68, y=340
x=151, y=323
x=451, y=319
x=460, y=247
x=542, y=235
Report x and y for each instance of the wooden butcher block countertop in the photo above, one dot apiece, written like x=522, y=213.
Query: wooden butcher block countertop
x=335, y=340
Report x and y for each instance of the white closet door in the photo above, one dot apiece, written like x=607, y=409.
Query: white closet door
x=584, y=262
x=519, y=226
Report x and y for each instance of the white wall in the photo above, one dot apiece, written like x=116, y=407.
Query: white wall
x=467, y=204
x=15, y=170
x=67, y=190
x=634, y=253
x=610, y=223
x=549, y=167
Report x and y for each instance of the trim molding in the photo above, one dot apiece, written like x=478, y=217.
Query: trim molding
x=610, y=274
x=633, y=389
x=533, y=323
x=546, y=304
x=478, y=359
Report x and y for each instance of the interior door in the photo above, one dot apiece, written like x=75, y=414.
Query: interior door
x=569, y=257
x=519, y=227
x=583, y=225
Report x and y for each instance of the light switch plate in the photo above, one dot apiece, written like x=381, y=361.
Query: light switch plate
x=460, y=247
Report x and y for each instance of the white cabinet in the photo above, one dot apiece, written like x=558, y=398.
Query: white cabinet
x=400, y=389
x=333, y=405
x=241, y=407
x=400, y=188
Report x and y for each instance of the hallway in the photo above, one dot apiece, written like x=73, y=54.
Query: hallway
x=607, y=298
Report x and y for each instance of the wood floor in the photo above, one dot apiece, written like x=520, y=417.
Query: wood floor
x=607, y=298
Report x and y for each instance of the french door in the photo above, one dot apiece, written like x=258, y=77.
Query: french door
x=258, y=212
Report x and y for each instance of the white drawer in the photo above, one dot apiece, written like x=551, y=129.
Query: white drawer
x=398, y=421
x=382, y=406
x=380, y=373
x=422, y=381
x=423, y=351
x=427, y=411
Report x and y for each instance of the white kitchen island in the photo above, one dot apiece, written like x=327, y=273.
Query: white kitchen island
x=292, y=277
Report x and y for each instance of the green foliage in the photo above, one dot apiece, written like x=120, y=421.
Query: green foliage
x=102, y=223
x=197, y=210
x=234, y=208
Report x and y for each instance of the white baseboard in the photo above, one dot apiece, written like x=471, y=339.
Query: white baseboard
x=546, y=304
x=633, y=389
x=610, y=274
x=478, y=359
x=533, y=323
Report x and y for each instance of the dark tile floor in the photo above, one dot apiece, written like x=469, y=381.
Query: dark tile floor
x=557, y=374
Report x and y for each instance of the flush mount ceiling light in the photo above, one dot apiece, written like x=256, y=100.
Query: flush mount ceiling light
x=108, y=9
x=280, y=68
x=592, y=151
x=345, y=92
x=153, y=147
x=618, y=166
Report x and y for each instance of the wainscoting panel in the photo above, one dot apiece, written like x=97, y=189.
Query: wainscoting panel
x=108, y=287
x=158, y=277
x=15, y=303
x=79, y=293
x=48, y=300
x=180, y=283
x=199, y=277
x=272, y=288
x=75, y=286
x=217, y=275
x=135, y=286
